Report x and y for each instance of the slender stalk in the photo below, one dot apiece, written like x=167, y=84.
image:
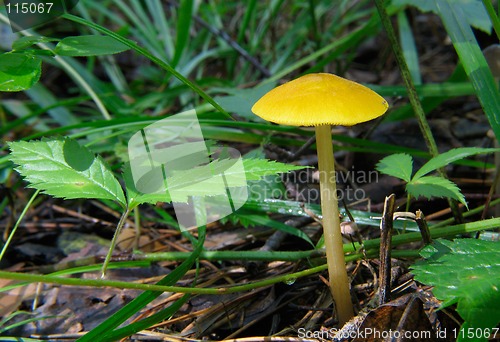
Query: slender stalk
x=413, y=97
x=339, y=282
x=471, y=212
x=118, y=230
x=137, y=227
x=405, y=73
x=371, y=248
x=18, y=222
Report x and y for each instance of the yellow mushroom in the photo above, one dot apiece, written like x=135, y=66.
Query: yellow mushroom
x=322, y=100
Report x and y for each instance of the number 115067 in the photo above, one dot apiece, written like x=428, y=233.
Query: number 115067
x=476, y=333
x=29, y=7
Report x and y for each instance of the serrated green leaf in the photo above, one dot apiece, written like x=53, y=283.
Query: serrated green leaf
x=135, y=197
x=267, y=187
x=449, y=157
x=431, y=186
x=62, y=168
x=398, y=165
x=19, y=71
x=92, y=45
x=187, y=183
x=466, y=272
x=205, y=180
x=256, y=168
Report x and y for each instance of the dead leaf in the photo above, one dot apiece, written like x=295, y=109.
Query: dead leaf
x=12, y=299
x=403, y=319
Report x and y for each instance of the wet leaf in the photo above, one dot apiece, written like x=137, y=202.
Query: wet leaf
x=19, y=71
x=465, y=272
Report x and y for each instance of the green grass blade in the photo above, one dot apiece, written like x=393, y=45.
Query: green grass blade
x=267, y=222
x=161, y=24
x=141, y=301
x=147, y=322
x=3, y=328
x=275, y=206
x=137, y=8
x=473, y=60
x=44, y=98
x=493, y=16
x=249, y=11
x=433, y=94
x=451, y=88
x=148, y=55
x=409, y=47
x=18, y=222
x=338, y=46
x=184, y=15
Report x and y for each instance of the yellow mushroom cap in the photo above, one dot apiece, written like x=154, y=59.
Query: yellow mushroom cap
x=320, y=99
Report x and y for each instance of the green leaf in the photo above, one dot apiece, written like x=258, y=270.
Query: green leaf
x=240, y=101
x=409, y=47
x=28, y=41
x=431, y=186
x=62, y=168
x=472, y=58
x=256, y=168
x=145, y=323
x=268, y=187
x=93, y=45
x=397, y=165
x=135, y=197
x=19, y=71
x=267, y=222
x=449, y=157
x=239, y=217
x=205, y=181
x=184, y=14
x=465, y=272
x=477, y=15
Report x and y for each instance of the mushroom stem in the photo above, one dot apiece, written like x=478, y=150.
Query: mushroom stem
x=339, y=282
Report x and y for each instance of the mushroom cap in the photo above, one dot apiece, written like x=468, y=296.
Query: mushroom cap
x=320, y=99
